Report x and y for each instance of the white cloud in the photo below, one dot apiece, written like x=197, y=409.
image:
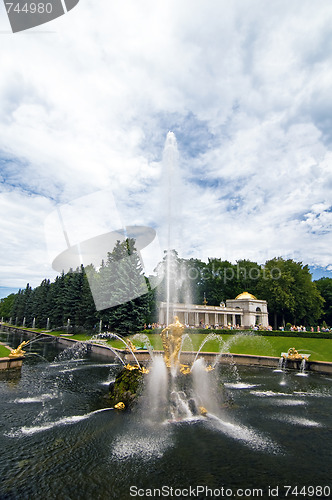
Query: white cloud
x=246, y=88
x=23, y=256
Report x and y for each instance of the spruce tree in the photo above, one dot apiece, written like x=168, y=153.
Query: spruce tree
x=124, y=284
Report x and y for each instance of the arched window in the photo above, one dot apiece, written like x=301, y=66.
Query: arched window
x=258, y=316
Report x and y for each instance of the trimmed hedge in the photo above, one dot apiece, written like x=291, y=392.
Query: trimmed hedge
x=304, y=335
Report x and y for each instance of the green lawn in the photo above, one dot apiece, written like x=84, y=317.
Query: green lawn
x=4, y=352
x=319, y=349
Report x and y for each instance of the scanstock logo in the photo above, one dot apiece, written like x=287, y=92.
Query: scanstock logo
x=26, y=14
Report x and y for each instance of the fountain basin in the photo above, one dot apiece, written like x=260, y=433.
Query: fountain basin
x=7, y=362
x=11, y=363
x=56, y=419
x=143, y=356
x=240, y=359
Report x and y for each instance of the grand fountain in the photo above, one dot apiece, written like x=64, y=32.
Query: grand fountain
x=166, y=370
x=175, y=390
x=215, y=431
x=244, y=428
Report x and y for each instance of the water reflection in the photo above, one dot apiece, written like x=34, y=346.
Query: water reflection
x=58, y=440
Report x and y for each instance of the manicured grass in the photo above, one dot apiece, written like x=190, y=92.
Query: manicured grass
x=113, y=343
x=4, y=352
x=25, y=328
x=56, y=333
x=319, y=349
x=80, y=336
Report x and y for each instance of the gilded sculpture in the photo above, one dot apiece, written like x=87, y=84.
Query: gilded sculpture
x=14, y=353
x=172, y=339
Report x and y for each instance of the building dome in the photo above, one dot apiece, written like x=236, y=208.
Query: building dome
x=246, y=295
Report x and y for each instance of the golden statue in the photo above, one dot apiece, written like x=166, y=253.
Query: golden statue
x=120, y=406
x=203, y=411
x=130, y=367
x=145, y=371
x=294, y=355
x=172, y=339
x=14, y=353
x=185, y=369
x=131, y=345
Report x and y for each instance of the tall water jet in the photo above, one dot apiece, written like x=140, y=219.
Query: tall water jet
x=281, y=365
x=142, y=337
x=48, y=324
x=302, y=369
x=170, y=164
x=34, y=323
x=204, y=390
x=157, y=387
x=129, y=346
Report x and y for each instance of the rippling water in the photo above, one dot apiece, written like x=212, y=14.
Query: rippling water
x=59, y=442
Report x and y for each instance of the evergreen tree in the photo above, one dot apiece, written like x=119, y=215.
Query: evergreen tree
x=122, y=280
x=87, y=307
x=41, y=304
x=73, y=293
x=57, y=301
x=17, y=311
x=6, y=305
x=28, y=304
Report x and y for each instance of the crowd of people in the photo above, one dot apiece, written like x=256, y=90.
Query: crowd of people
x=206, y=326
x=261, y=327
x=302, y=328
x=153, y=326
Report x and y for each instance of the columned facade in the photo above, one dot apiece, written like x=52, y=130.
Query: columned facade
x=198, y=315
x=245, y=311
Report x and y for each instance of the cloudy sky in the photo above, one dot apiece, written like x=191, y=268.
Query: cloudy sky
x=86, y=102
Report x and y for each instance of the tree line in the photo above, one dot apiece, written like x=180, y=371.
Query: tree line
x=287, y=286
x=70, y=296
